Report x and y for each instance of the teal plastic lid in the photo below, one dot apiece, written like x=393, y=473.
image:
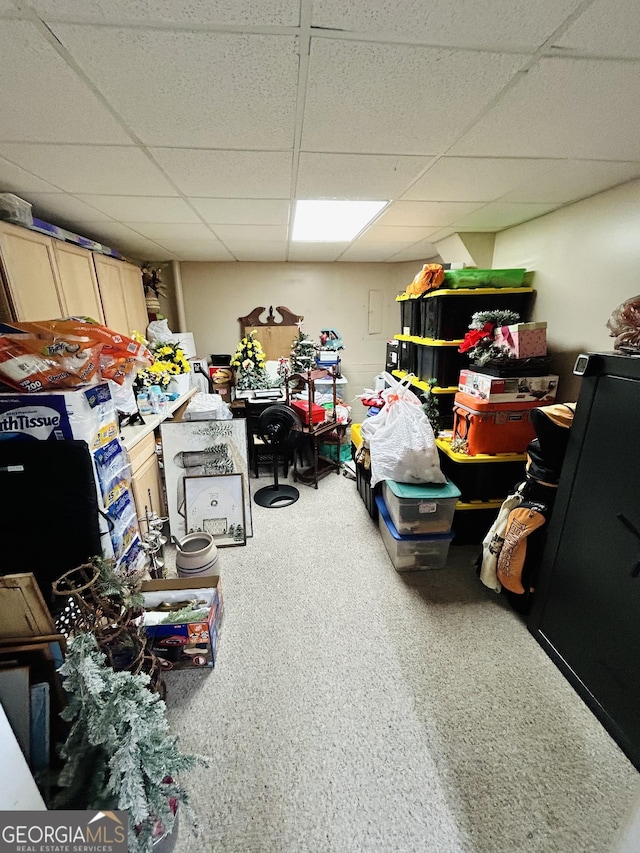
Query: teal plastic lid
x=424, y=491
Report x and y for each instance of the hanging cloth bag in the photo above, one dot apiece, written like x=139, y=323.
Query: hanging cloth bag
x=400, y=438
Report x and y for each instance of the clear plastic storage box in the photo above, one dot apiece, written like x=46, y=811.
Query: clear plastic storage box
x=421, y=508
x=15, y=209
x=412, y=553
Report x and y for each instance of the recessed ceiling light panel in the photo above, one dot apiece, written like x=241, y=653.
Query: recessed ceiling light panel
x=332, y=221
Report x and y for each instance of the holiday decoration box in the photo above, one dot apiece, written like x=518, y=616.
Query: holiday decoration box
x=185, y=645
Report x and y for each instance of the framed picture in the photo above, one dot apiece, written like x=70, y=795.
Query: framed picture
x=215, y=504
x=203, y=448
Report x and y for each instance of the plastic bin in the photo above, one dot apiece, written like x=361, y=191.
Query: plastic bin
x=368, y=494
x=446, y=316
x=440, y=360
x=407, y=356
x=492, y=427
x=420, y=508
x=469, y=278
x=15, y=209
x=393, y=355
x=410, y=315
x=412, y=553
x=482, y=477
x=471, y=521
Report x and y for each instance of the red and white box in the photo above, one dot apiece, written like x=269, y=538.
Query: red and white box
x=495, y=389
x=525, y=340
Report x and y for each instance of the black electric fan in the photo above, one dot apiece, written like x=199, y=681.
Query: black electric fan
x=280, y=429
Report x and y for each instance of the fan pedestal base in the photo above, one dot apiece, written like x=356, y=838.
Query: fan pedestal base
x=276, y=496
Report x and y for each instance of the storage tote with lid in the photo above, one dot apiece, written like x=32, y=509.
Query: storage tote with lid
x=421, y=508
x=412, y=553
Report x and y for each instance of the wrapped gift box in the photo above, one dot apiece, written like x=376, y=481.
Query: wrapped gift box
x=525, y=340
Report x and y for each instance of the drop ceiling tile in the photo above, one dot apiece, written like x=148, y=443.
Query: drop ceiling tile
x=605, y=31
x=425, y=214
x=382, y=98
x=227, y=174
x=216, y=90
x=59, y=206
x=232, y=234
x=109, y=170
x=16, y=180
x=316, y=252
x=563, y=108
x=243, y=211
x=371, y=252
x=420, y=252
x=483, y=23
x=259, y=251
x=118, y=236
x=199, y=250
x=8, y=9
x=356, y=176
x=129, y=208
x=163, y=232
x=187, y=13
x=499, y=215
x=394, y=234
x=476, y=178
x=570, y=180
x=45, y=100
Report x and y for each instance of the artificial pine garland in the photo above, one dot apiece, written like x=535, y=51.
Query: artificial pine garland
x=479, y=343
x=119, y=753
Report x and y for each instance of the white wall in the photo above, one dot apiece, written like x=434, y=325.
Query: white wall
x=586, y=259
x=334, y=295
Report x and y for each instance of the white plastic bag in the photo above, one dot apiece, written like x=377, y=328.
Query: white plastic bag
x=206, y=407
x=158, y=332
x=401, y=439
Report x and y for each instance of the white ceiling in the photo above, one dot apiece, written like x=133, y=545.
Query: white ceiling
x=187, y=128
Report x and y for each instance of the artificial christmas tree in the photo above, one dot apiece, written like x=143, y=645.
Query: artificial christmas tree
x=303, y=352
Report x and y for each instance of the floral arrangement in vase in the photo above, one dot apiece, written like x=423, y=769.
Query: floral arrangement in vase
x=169, y=361
x=249, y=361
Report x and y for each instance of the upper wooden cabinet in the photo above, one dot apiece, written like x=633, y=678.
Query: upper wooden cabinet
x=30, y=270
x=79, y=282
x=122, y=295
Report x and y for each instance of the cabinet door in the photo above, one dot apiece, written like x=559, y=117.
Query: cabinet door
x=79, y=283
x=147, y=489
x=588, y=612
x=134, y=298
x=111, y=294
x=31, y=274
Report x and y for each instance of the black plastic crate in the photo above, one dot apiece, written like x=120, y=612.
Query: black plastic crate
x=483, y=480
x=368, y=494
x=411, y=316
x=471, y=522
x=407, y=356
x=447, y=316
x=393, y=356
x=442, y=363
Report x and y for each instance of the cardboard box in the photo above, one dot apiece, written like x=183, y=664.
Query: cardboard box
x=184, y=645
x=496, y=389
x=302, y=409
x=525, y=340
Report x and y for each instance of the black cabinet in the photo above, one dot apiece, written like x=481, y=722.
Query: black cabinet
x=586, y=613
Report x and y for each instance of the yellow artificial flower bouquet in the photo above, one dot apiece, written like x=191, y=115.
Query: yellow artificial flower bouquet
x=169, y=361
x=250, y=361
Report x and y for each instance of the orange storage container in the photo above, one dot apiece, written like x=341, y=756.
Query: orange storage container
x=493, y=427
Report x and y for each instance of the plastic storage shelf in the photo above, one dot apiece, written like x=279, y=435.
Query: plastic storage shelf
x=412, y=553
x=446, y=314
x=420, y=509
x=484, y=477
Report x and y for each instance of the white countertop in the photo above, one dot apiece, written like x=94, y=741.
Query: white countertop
x=131, y=435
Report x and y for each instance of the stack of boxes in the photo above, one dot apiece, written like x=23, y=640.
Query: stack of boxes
x=415, y=523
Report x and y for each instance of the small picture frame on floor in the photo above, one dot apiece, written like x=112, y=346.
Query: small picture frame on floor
x=215, y=504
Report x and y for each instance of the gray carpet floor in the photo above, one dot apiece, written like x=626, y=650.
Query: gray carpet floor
x=353, y=708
